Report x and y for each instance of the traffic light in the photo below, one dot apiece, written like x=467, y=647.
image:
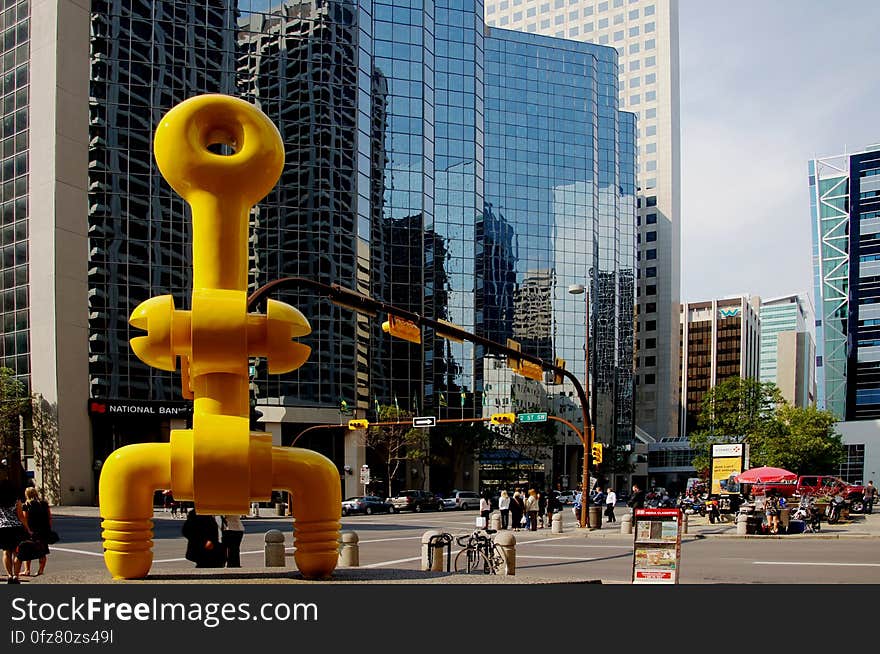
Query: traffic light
x=531, y=370
x=358, y=424
x=513, y=362
x=597, y=452
x=401, y=328
x=503, y=418
x=558, y=377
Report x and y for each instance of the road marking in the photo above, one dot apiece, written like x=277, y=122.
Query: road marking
x=854, y=565
x=555, y=558
x=170, y=560
x=385, y=540
x=619, y=547
x=382, y=563
x=66, y=549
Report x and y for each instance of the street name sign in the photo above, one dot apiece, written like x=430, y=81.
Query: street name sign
x=532, y=417
x=424, y=421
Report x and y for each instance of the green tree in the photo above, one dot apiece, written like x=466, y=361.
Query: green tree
x=804, y=442
x=15, y=408
x=454, y=444
x=396, y=443
x=735, y=410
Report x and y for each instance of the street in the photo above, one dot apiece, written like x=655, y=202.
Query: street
x=393, y=542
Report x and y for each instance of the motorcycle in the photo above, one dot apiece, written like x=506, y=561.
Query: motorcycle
x=806, y=511
x=834, y=509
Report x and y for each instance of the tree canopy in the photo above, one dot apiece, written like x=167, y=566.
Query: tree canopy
x=736, y=410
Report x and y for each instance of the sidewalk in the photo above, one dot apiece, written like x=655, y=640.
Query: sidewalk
x=158, y=513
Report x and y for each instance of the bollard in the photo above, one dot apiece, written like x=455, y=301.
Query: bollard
x=274, y=549
x=255, y=509
x=626, y=523
x=556, y=523
x=684, y=522
x=495, y=520
x=742, y=522
x=348, y=549
x=506, y=542
x=432, y=561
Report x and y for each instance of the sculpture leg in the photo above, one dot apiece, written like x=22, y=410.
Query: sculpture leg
x=129, y=478
x=316, y=503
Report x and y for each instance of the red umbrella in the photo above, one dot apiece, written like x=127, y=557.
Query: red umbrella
x=765, y=475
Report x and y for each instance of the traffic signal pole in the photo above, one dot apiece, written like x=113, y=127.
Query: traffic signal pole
x=364, y=304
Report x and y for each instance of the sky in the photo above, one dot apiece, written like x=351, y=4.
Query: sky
x=766, y=85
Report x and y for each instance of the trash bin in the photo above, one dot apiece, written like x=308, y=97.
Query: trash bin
x=595, y=515
x=279, y=508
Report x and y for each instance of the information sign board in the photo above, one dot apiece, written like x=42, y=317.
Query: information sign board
x=656, y=546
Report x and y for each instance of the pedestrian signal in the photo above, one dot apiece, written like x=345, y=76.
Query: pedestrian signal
x=597, y=452
x=401, y=328
x=358, y=424
x=503, y=418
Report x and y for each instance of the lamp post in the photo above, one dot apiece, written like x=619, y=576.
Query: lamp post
x=578, y=289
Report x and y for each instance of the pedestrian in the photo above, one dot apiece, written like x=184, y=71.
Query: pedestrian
x=576, y=507
x=232, y=532
x=542, y=509
x=39, y=524
x=553, y=505
x=13, y=529
x=203, y=546
x=637, y=499
x=870, y=496
x=504, y=507
x=610, y=503
x=599, y=497
x=771, y=510
x=532, y=510
x=517, y=510
x=485, y=508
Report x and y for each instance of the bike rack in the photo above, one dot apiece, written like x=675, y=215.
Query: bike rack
x=440, y=540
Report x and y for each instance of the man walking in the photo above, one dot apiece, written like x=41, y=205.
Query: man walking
x=637, y=501
x=610, y=502
x=870, y=496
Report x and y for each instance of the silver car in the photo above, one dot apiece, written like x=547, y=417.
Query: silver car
x=462, y=500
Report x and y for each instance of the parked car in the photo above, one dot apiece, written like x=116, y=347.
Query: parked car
x=566, y=497
x=817, y=486
x=367, y=504
x=416, y=500
x=459, y=499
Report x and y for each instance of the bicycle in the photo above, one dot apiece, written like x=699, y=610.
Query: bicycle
x=479, y=554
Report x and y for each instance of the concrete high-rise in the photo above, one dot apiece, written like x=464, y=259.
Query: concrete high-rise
x=719, y=339
x=845, y=208
x=645, y=34
x=787, y=348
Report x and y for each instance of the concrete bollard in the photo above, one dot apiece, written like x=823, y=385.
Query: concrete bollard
x=506, y=542
x=274, y=549
x=432, y=561
x=742, y=522
x=556, y=523
x=495, y=520
x=255, y=509
x=349, y=554
x=626, y=523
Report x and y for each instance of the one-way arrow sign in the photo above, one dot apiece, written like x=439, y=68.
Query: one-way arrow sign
x=425, y=421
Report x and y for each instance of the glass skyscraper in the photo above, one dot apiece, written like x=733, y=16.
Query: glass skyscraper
x=845, y=207
x=411, y=174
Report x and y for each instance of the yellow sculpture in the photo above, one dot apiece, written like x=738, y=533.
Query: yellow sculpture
x=219, y=464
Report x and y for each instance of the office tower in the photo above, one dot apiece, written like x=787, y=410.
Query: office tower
x=787, y=348
x=719, y=339
x=845, y=212
x=387, y=189
x=645, y=34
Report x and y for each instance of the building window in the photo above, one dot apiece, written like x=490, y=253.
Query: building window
x=650, y=362
x=651, y=271
x=634, y=65
x=635, y=82
x=651, y=218
x=651, y=307
x=650, y=343
x=633, y=48
x=650, y=379
x=651, y=201
x=650, y=237
x=651, y=290
x=651, y=130
x=603, y=23
x=649, y=44
x=650, y=96
x=649, y=27
x=618, y=36
x=651, y=165
x=649, y=10
x=634, y=14
x=651, y=254
x=634, y=31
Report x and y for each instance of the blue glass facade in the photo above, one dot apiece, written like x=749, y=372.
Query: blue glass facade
x=560, y=211
x=461, y=175
x=845, y=204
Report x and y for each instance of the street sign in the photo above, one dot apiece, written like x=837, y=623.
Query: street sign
x=365, y=474
x=532, y=417
x=424, y=421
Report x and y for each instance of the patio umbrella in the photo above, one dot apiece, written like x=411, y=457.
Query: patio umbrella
x=766, y=474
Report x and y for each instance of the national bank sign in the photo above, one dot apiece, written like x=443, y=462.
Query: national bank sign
x=117, y=408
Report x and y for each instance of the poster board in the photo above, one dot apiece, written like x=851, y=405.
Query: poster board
x=728, y=459
x=656, y=546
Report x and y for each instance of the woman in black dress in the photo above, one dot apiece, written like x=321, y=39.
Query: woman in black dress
x=39, y=523
x=12, y=529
